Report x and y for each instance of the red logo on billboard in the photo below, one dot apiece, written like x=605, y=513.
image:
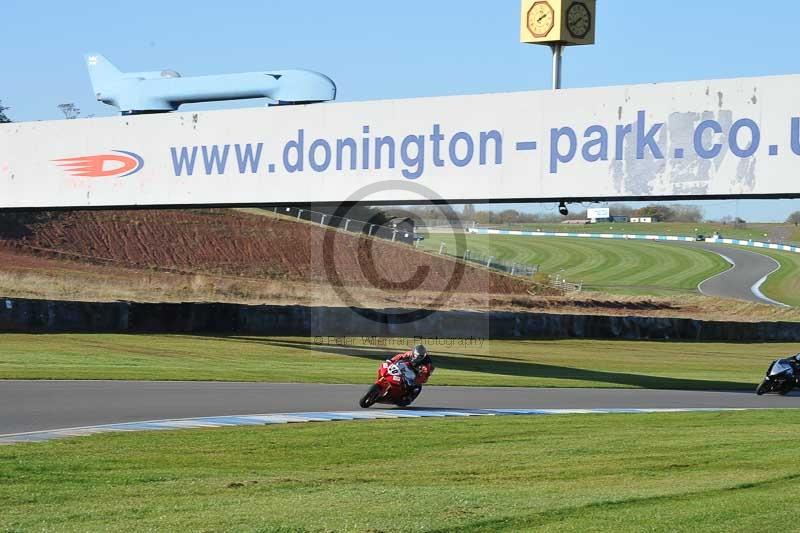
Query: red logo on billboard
x=116, y=165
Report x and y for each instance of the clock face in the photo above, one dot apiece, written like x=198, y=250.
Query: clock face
x=541, y=19
x=579, y=20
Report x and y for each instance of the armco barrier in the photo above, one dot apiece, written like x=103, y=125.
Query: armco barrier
x=621, y=236
x=483, y=231
x=22, y=315
x=756, y=244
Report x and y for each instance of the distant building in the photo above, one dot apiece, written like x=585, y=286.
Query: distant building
x=405, y=229
x=642, y=220
x=598, y=214
x=619, y=219
x=603, y=214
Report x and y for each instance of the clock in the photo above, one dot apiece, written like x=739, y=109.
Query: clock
x=579, y=20
x=557, y=22
x=541, y=19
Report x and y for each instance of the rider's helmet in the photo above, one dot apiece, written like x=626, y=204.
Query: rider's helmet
x=419, y=355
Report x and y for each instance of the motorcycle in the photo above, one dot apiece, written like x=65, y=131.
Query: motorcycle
x=781, y=377
x=392, y=387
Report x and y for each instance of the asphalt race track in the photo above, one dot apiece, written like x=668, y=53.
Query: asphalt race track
x=45, y=405
x=28, y=405
x=743, y=280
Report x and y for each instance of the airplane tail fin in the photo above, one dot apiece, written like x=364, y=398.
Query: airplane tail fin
x=101, y=71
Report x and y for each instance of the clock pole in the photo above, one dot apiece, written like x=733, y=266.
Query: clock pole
x=558, y=53
x=558, y=24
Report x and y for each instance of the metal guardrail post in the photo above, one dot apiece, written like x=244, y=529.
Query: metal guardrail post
x=442, y=248
x=299, y=213
x=322, y=221
x=346, y=224
x=394, y=235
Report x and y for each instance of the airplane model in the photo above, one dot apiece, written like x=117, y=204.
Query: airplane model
x=160, y=91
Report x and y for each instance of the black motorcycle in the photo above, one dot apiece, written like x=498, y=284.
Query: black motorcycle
x=782, y=377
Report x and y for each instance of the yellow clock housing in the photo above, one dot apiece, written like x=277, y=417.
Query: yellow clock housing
x=569, y=22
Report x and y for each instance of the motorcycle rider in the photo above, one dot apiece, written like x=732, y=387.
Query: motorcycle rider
x=779, y=378
x=793, y=360
x=421, y=368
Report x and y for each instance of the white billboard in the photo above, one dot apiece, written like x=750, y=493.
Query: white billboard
x=593, y=213
x=712, y=138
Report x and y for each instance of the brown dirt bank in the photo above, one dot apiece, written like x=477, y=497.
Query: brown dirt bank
x=237, y=257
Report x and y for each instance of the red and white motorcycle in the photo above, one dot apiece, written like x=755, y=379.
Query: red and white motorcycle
x=392, y=386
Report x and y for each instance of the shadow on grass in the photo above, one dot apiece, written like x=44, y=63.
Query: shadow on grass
x=475, y=363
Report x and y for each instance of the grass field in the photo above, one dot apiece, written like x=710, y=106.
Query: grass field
x=729, y=471
x=570, y=363
x=784, y=285
x=616, y=267
x=783, y=233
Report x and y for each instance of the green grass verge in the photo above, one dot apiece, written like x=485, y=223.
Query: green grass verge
x=723, y=472
x=783, y=285
x=612, y=266
x=566, y=363
x=782, y=233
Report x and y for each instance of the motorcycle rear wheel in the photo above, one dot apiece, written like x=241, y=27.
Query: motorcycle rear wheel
x=369, y=399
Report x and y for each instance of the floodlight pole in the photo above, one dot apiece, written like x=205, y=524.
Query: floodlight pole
x=558, y=52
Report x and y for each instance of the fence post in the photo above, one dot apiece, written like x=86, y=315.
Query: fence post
x=442, y=248
x=489, y=262
x=275, y=210
x=322, y=221
x=371, y=227
x=513, y=268
x=466, y=255
x=346, y=224
x=394, y=235
x=299, y=212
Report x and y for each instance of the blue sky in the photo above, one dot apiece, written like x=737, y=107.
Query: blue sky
x=377, y=50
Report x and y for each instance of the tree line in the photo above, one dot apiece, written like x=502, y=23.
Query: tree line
x=663, y=213
x=3, y=117
x=69, y=110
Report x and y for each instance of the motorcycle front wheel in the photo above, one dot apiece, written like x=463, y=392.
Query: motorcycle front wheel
x=372, y=395
x=762, y=388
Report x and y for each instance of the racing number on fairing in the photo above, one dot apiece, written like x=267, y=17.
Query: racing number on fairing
x=395, y=371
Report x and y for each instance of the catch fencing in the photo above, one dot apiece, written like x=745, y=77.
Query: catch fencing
x=557, y=282
x=493, y=263
x=512, y=268
x=350, y=225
